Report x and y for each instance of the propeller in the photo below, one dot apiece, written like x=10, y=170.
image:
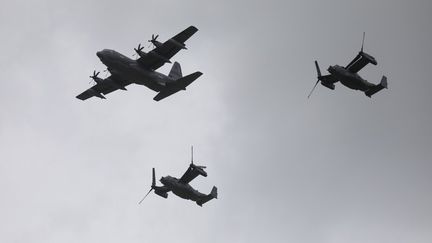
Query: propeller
x=138, y=50
x=153, y=186
x=319, y=75
x=153, y=39
x=94, y=76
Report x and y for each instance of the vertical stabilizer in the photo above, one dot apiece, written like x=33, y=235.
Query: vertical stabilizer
x=213, y=194
x=175, y=72
x=377, y=88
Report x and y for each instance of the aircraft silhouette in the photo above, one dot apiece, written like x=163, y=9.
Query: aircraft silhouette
x=348, y=75
x=125, y=71
x=181, y=187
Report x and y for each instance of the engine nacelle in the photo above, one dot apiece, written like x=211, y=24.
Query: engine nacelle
x=328, y=85
x=160, y=57
x=178, y=44
x=199, y=169
x=141, y=53
x=162, y=193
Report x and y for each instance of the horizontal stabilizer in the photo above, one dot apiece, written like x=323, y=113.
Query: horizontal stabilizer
x=176, y=86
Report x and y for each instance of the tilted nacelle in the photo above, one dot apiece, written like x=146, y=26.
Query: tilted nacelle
x=161, y=193
x=199, y=169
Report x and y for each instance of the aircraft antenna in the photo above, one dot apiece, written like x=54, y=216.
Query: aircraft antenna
x=363, y=42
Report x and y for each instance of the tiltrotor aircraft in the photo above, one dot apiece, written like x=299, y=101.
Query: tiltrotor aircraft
x=125, y=71
x=348, y=75
x=181, y=187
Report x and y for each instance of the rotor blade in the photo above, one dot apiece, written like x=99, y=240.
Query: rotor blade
x=153, y=178
x=363, y=42
x=313, y=88
x=191, y=154
x=145, y=196
x=318, y=69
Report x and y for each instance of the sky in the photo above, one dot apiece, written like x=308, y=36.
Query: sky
x=336, y=168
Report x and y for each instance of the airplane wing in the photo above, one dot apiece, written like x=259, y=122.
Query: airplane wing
x=162, y=53
x=176, y=86
x=192, y=172
x=107, y=86
x=360, y=61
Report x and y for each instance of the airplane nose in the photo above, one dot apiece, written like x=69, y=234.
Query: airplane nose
x=99, y=54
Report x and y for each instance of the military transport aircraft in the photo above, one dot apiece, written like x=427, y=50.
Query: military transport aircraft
x=125, y=71
x=181, y=187
x=348, y=75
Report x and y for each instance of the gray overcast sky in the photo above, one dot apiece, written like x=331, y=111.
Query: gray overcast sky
x=337, y=168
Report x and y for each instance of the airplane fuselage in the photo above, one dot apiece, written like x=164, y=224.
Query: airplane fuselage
x=349, y=79
x=182, y=190
x=132, y=71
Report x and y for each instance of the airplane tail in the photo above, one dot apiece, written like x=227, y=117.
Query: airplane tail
x=176, y=71
x=176, y=86
x=183, y=82
x=213, y=194
x=377, y=88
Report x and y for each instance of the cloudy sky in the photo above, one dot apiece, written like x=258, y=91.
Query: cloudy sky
x=336, y=168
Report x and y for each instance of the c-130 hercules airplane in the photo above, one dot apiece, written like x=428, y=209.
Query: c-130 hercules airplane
x=125, y=71
x=348, y=75
x=181, y=187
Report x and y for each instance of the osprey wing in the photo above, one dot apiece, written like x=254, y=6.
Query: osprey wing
x=192, y=172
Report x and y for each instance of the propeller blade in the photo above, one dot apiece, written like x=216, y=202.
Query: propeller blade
x=313, y=88
x=145, y=196
x=153, y=39
x=95, y=75
x=153, y=178
x=318, y=69
x=191, y=154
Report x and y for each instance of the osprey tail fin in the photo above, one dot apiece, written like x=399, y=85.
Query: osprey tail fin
x=377, y=88
x=213, y=194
